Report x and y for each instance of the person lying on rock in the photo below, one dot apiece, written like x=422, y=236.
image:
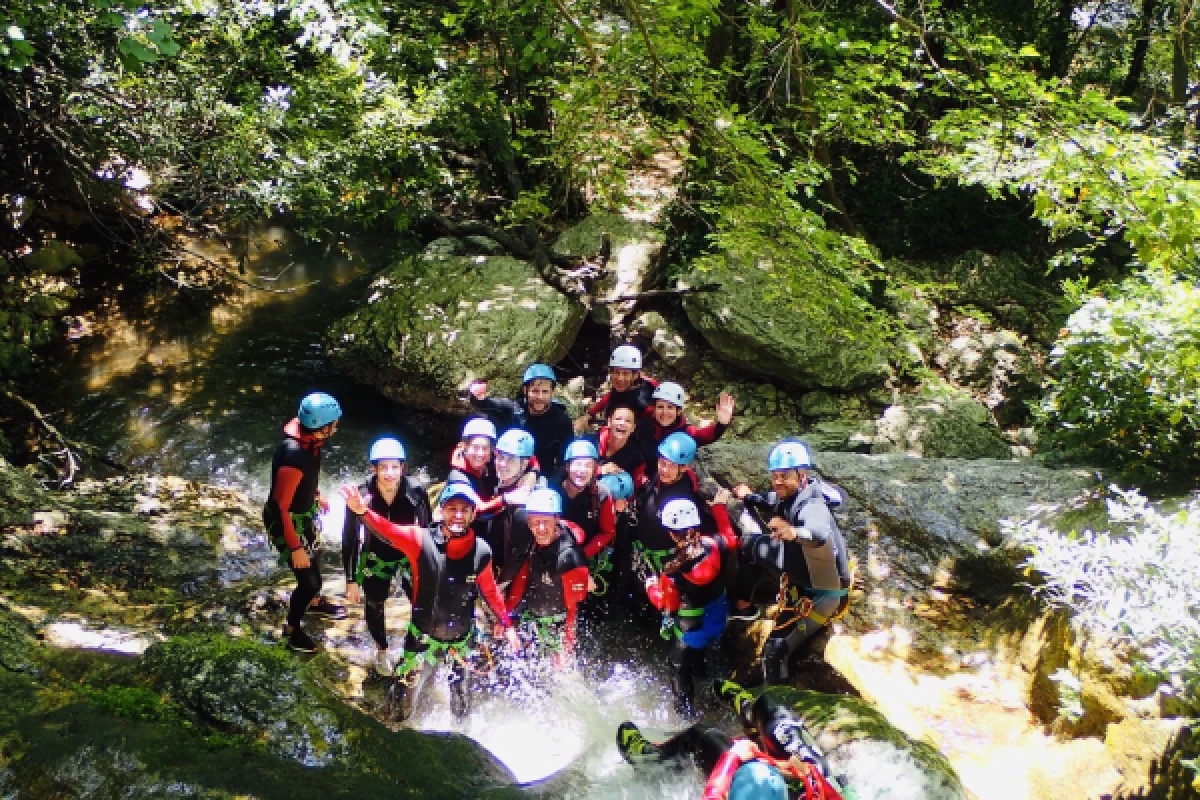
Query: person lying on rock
x=516, y=476
x=543, y=599
x=588, y=505
x=667, y=418
x=473, y=462
x=690, y=593
x=778, y=759
x=371, y=563
x=290, y=514
x=535, y=411
x=652, y=542
x=799, y=560
x=627, y=387
x=451, y=568
x=620, y=448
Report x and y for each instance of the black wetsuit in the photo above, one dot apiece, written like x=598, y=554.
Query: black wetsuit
x=551, y=430
x=371, y=562
x=298, y=451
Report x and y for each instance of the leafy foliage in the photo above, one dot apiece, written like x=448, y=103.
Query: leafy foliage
x=1127, y=389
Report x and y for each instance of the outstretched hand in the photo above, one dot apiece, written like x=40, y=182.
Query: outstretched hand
x=725, y=405
x=741, y=491
x=354, y=500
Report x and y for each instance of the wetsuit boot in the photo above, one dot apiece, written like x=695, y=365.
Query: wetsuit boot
x=634, y=747
x=459, y=681
x=405, y=691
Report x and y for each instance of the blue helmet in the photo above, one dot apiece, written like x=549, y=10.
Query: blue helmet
x=757, y=780
x=678, y=448
x=619, y=485
x=457, y=489
x=516, y=442
x=791, y=454
x=318, y=410
x=535, y=371
x=581, y=448
x=386, y=448
x=543, y=501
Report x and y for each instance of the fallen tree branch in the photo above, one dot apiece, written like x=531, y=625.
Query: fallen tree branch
x=703, y=288
x=69, y=445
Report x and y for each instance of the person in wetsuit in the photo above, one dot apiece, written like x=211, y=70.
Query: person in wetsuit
x=666, y=417
x=290, y=514
x=800, y=559
x=544, y=597
x=516, y=476
x=535, y=411
x=451, y=568
x=371, y=563
x=627, y=387
x=778, y=759
x=588, y=505
x=621, y=450
x=473, y=462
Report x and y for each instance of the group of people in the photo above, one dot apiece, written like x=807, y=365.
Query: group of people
x=538, y=514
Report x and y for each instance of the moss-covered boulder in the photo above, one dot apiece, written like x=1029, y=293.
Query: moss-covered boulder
x=873, y=758
x=775, y=317
x=939, y=422
x=433, y=323
x=636, y=246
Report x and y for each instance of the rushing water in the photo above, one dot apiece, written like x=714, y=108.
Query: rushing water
x=205, y=398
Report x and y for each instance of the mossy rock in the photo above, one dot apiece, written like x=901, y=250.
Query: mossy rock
x=940, y=422
x=875, y=758
x=17, y=643
x=770, y=317
x=434, y=323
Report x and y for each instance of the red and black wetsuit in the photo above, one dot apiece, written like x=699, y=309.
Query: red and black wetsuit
x=370, y=561
x=639, y=397
x=651, y=434
x=805, y=781
x=503, y=534
x=290, y=512
x=631, y=457
x=484, y=483
x=656, y=494
x=551, y=583
x=592, y=510
x=695, y=585
x=448, y=574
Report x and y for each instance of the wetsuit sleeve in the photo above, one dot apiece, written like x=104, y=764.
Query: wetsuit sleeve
x=505, y=413
x=405, y=538
x=721, y=778
x=575, y=587
x=606, y=529
x=597, y=408
x=575, y=530
x=287, y=479
x=708, y=568
x=705, y=434
x=724, y=526
x=818, y=521
x=486, y=582
x=516, y=589
x=663, y=594
x=351, y=546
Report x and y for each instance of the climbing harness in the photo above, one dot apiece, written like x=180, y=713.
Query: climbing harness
x=797, y=603
x=435, y=650
x=307, y=525
x=370, y=565
x=544, y=632
x=647, y=562
x=669, y=629
x=598, y=566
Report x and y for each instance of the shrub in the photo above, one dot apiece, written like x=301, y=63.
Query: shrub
x=1127, y=385
x=1136, y=587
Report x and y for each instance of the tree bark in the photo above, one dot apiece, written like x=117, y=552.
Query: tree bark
x=1181, y=55
x=1137, y=63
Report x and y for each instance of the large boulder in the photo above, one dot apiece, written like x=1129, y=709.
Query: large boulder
x=873, y=758
x=785, y=320
x=434, y=323
x=636, y=246
x=939, y=423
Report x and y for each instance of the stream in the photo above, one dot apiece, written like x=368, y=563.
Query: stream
x=205, y=396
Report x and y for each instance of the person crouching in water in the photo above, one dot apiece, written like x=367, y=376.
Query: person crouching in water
x=371, y=563
x=801, y=554
x=516, y=475
x=290, y=513
x=451, y=567
x=552, y=581
x=588, y=504
x=691, y=595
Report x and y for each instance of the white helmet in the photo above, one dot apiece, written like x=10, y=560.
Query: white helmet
x=479, y=427
x=671, y=392
x=680, y=514
x=626, y=357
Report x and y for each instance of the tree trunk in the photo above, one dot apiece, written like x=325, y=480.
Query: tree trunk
x=1137, y=64
x=1060, y=53
x=1181, y=55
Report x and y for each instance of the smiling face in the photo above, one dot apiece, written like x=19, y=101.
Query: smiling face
x=478, y=452
x=786, y=482
x=622, y=423
x=509, y=468
x=538, y=394
x=665, y=413
x=622, y=379
x=388, y=473
x=581, y=471
x=457, y=516
x=668, y=471
x=544, y=527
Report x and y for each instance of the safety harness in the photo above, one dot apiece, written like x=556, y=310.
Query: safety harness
x=598, y=565
x=307, y=525
x=647, y=562
x=796, y=603
x=370, y=565
x=545, y=632
x=435, y=650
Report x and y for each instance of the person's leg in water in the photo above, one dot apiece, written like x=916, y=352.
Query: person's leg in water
x=375, y=594
x=687, y=664
x=703, y=743
x=308, y=586
x=790, y=636
x=406, y=688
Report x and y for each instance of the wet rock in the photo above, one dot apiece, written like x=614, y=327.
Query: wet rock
x=1141, y=748
x=667, y=345
x=434, y=323
x=768, y=319
x=875, y=759
x=636, y=246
